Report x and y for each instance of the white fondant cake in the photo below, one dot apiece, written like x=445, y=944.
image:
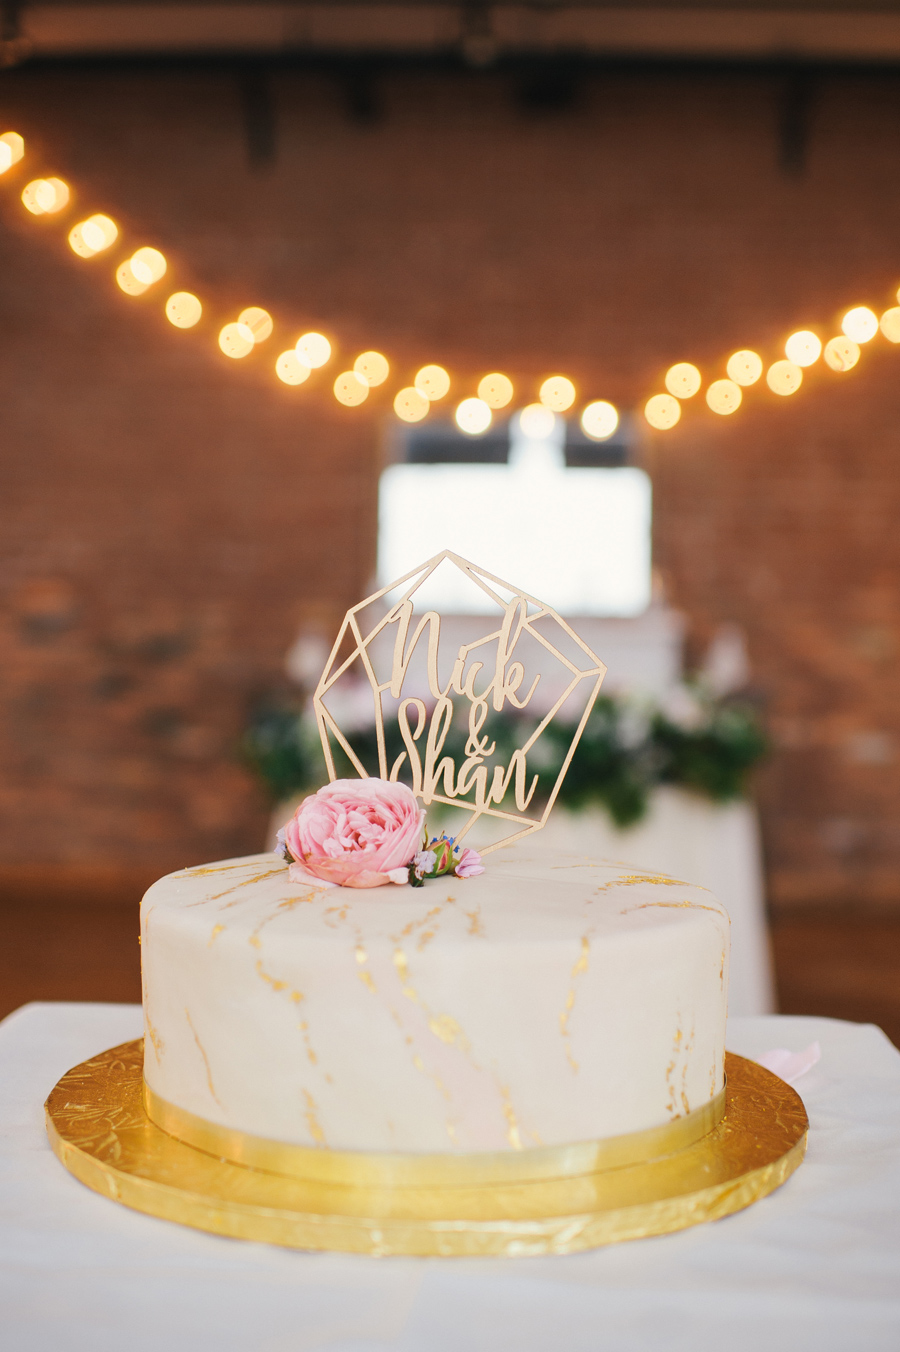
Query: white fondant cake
x=551, y=1000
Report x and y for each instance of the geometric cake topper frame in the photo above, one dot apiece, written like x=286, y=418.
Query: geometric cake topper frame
x=486, y=675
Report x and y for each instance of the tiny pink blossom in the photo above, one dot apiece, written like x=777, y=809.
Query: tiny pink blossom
x=356, y=832
x=469, y=865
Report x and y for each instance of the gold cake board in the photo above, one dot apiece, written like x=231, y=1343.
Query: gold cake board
x=99, y=1129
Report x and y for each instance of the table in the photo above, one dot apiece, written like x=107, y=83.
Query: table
x=813, y=1268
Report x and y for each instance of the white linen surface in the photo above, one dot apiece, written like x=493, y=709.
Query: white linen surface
x=813, y=1268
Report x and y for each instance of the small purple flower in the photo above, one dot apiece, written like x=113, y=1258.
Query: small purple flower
x=469, y=865
x=423, y=863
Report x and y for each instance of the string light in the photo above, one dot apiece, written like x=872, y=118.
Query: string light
x=183, y=309
x=373, y=367
x=841, y=354
x=557, y=394
x=291, y=369
x=662, y=411
x=473, y=416
x=44, y=196
x=126, y=279
x=860, y=324
x=351, y=389
x=432, y=382
x=599, y=420
x=148, y=265
x=682, y=380
x=12, y=148
x=236, y=340
x=92, y=236
x=784, y=377
x=724, y=396
x=744, y=367
x=537, y=421
x=258, y=321
x=803, y=348
x=313, y=349
x=410, y=405
x=890, y=324
x=496, y=390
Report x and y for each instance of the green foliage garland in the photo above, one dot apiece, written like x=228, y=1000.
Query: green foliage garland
x=626, y=749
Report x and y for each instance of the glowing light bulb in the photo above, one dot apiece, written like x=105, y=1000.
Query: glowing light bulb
x=351, y=389
x=313, y=349
x=890, y=324
x=12, y=148
x=43, y=196
x=291, y=369
x=473, y=416
x=860, y=324
x=682, y=380
x=662, y=411
x=724, y=396
x=599, y=420
x=745, y=367
x=557, y=394
x=841, y=354
x=803, y=348
x=92, y=236
x=131, y=285
x=373, y=367
x=236, y=340
x=433, y=382
x=410, y=405
x=537, y=421
x=258, y=321
x=183, y=309
x=148, y=265
x=784, y=377
x=496, y=390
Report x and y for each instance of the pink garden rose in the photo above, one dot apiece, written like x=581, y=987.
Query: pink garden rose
x=357, y=832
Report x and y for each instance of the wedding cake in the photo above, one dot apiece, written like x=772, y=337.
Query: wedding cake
x=546, y=1001
x=372, y=990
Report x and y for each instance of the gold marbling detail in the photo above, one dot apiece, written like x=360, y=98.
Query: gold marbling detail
x=688, y=1048
x=245, y=882
x=578, y=970
x=457, y=1205
x=155, y=1040
x=312, y=1119
x=677, y=906
x=202, y=1051
x=338, y=912
x=206, y=869
x=448, y=1030
x=475, y=927
x=512, y=1122
x=362, y=957
x=635, y=879
x=216, y=929
x=272, y=981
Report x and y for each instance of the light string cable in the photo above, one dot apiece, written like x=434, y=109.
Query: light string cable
x=146, y=266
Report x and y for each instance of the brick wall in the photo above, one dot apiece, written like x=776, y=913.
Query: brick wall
x=171, y=518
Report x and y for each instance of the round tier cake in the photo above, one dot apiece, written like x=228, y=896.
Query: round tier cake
x=551, y=1000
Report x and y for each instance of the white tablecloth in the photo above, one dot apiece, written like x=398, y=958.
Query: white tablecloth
x=813, y=1268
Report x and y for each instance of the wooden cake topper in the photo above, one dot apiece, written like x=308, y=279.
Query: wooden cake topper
x=398, y=651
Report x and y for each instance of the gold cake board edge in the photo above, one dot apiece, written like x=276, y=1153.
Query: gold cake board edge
x=99, y=1129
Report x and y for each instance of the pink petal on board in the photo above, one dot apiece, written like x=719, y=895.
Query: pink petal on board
x=789, y=1066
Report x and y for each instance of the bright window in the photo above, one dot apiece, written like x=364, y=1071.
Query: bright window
x=577, y=538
